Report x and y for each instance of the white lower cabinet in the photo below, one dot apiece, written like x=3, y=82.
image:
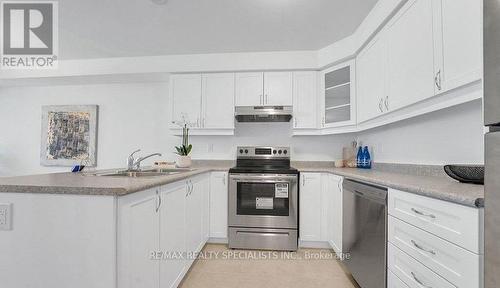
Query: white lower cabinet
x=139, y=236
x=320, y=208
x=310, y=207
x=334, y=212
x=218, y=205
x=394, y=282
x=158, y=229
x=172, y=233
x=434, y=243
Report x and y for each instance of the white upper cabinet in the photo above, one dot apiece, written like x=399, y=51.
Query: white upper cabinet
x=457, y=43
x=264, y=88
x=371, y=79
x=218, y=101
x=411, y=54
x=338, y=101
x=278, y=88
x=186, y=98
x=249, y=89
x=205, y=101
x=305, y=108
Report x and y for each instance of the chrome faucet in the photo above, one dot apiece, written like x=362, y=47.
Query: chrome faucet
x=135, y=164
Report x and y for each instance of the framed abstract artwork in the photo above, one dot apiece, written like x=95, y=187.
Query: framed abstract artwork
x=69, y=135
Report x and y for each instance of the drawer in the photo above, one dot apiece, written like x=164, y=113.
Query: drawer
x=457, y=265
x=412, y=272
x=456, y=223
x=394, y=282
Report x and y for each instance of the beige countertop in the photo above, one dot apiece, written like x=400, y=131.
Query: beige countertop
x=86, y=184
x=438, y=187
x=90, y=184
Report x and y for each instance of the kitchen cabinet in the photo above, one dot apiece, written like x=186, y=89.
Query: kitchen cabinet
x=434, y=242
x=411, y=54
x=305, y=110
x=195, y=216
x=218, y=205
x=333, y=198
x=140, y=235
x=185, y=90
x=217, y=101
x=249, y=89
x=172, y=233
x=172, y=218
x=371, y=79
x=457, y=43
x=278, y=88
x=264, y=88
x=204, y=101
x=321, y=210
x=338, y=99
x=310, y=207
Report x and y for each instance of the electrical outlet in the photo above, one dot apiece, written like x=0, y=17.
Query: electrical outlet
x=5, y=216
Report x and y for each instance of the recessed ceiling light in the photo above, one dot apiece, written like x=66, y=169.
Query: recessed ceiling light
x=159, y=2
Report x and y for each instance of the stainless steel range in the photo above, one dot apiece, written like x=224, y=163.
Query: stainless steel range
x=263, y=200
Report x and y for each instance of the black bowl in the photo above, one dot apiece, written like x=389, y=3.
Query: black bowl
x=466, y=173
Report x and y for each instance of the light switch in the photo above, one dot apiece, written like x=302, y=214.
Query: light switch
x=5, y=216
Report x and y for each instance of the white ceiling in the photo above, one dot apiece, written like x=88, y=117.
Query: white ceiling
x=122, y=28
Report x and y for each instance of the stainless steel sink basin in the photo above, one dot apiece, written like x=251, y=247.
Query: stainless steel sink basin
x=143, y=173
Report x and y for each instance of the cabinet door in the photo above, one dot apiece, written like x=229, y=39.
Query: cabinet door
x=411, y=54
x=194, y=212
x=371, y=79
x=218, y=101
x=305, y=100
x=186, y=98
x=335, y=214
x=205, y=231
x=338, y=101
x=249, y=89
x=172, y=233
x=140, y=224
x=458, y=43
x=278, y=88
x=218, y=205
x=310, y=207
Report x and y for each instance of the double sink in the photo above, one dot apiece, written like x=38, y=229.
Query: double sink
x=143, y=173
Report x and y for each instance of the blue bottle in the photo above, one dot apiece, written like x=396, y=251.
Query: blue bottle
x=359, y=157
x=367, y=161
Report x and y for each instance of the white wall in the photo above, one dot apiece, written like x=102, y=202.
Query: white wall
x=130, y=116
x=453, y=135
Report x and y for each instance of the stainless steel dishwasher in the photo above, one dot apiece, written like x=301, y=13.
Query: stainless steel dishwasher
x=364, y=233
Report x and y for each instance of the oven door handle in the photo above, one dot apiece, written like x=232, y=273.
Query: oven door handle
x=277, y=180
x=263, y=178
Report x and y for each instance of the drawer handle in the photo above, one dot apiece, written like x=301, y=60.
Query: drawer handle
x=422, y=248
x=419, y=281
x=423, y=214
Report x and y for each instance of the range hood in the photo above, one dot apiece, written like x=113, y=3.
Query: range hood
x=264, y=114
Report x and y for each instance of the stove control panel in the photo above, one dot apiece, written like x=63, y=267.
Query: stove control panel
x=263, y=152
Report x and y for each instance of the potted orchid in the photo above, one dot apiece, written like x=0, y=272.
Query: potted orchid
x=184, y=160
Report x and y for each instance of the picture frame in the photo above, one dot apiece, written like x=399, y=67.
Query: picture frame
x=69, y=135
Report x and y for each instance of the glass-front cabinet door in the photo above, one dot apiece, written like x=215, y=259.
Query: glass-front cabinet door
x=338, y=99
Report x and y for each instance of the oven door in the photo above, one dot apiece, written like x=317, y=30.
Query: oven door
x=263, y=201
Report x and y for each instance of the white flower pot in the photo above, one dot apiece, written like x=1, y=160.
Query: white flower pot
x=183, y=162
